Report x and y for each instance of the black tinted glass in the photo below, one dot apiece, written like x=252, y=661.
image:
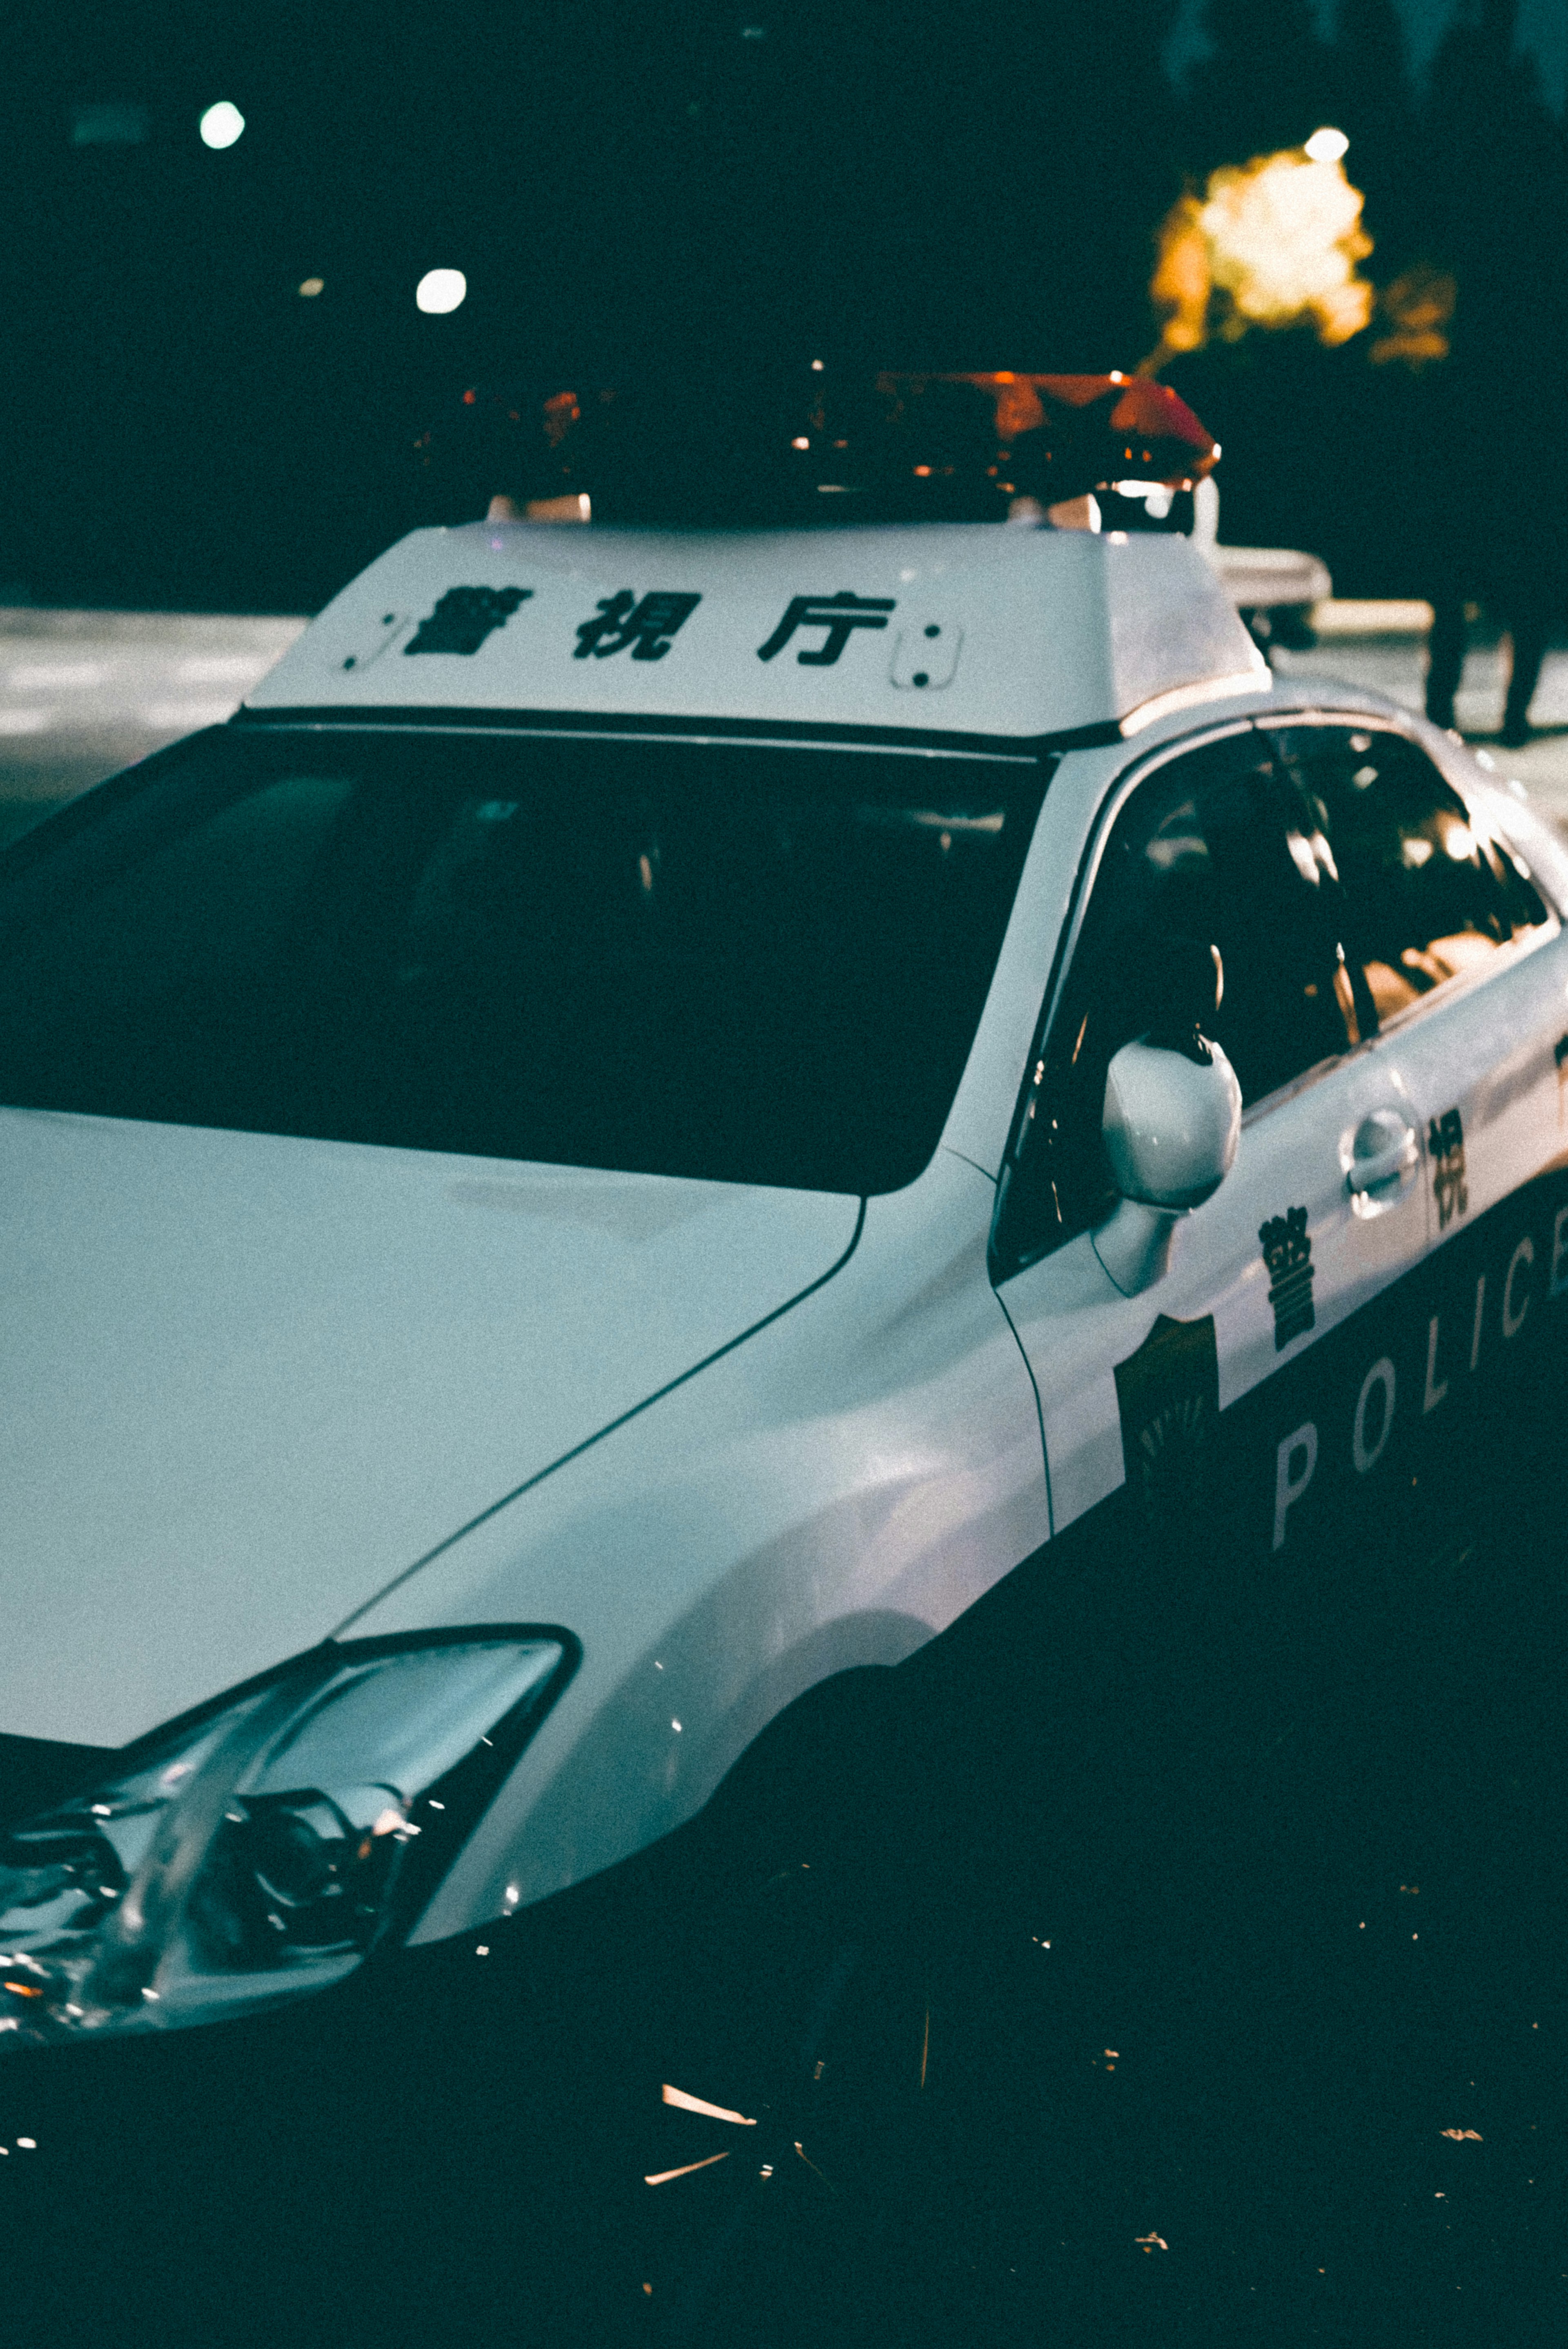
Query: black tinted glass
x=745, y=963
x=1429, y=895
x=1218, y=847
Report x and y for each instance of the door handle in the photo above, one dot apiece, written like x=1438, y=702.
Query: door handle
x=1383, y=1150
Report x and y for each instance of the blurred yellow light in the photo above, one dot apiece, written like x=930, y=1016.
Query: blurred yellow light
x=1420, y=307
x=1274, y=242
x=1283, y=238
x=311, y=286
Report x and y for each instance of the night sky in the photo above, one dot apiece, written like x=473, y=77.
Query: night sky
x=691, y=188
x=1542, y=35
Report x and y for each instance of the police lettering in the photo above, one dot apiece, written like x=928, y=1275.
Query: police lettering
x=1513, y=1315
x=838, y=614
x=464, y=617
x=1372, y=1419
x=1558, y=1252
x=1437, y=1388
x=1368, y=1435
x=644, y=628
x=1293, y=1464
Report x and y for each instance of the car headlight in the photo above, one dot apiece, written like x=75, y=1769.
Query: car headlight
x=264, y=1845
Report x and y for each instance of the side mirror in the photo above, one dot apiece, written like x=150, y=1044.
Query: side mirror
x=1172, y=1119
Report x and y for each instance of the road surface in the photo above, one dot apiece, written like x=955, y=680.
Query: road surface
x=83, y=694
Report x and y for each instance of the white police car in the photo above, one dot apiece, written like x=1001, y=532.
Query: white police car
x=637, y=1132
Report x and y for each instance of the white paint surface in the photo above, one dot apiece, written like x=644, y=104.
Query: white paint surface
x=1050, y=629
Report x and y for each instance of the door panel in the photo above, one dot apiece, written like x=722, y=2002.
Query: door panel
x=1487, y=1067
x=1380, y=1443
x=1223, y=845
x=1461, y=954
x=1268, y=1310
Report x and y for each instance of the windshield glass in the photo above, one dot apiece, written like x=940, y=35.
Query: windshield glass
x=729, y=960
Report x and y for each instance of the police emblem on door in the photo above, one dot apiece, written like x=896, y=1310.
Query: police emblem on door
x=1168, y=1399
x=1287, y=1251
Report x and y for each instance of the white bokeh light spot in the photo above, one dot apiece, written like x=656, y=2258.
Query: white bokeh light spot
x=440, y=290
x=1327, y=146
x=220, y=125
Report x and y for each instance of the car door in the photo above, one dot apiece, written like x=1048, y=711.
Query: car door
x=1250, y=1379
x=1448, y=926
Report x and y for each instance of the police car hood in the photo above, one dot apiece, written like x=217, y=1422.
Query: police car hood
x=248, y=1380
x=970, y=627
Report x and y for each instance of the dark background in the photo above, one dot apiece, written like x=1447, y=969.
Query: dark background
x=927, y=184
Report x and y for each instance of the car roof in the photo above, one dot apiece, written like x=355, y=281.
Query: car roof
x=986, y=629
x=1307, y=691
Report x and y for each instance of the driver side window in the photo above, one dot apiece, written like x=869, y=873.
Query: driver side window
x=1220, y=846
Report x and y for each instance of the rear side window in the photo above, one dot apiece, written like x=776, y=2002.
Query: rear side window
x=1342, y=880
x=1429, y=895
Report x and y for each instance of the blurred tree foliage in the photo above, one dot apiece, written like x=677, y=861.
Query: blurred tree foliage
x=1427, y=450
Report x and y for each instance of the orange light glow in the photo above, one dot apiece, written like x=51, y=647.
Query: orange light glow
x=563, y=409
x=1274, y=242
x=1018, y=409
x=689, y=2104
x=1144, y=415
x=663, y=2176
x=1420, y=307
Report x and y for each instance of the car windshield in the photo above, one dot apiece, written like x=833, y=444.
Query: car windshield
x=740, y=961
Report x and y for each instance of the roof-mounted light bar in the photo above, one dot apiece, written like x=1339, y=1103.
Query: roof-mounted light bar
x=810, y=447
x=1062, y=436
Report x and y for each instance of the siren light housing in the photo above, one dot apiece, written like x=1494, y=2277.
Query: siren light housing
x=812, y=446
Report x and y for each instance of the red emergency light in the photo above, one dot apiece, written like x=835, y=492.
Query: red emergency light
x=1062, y=436
x=809, y=446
